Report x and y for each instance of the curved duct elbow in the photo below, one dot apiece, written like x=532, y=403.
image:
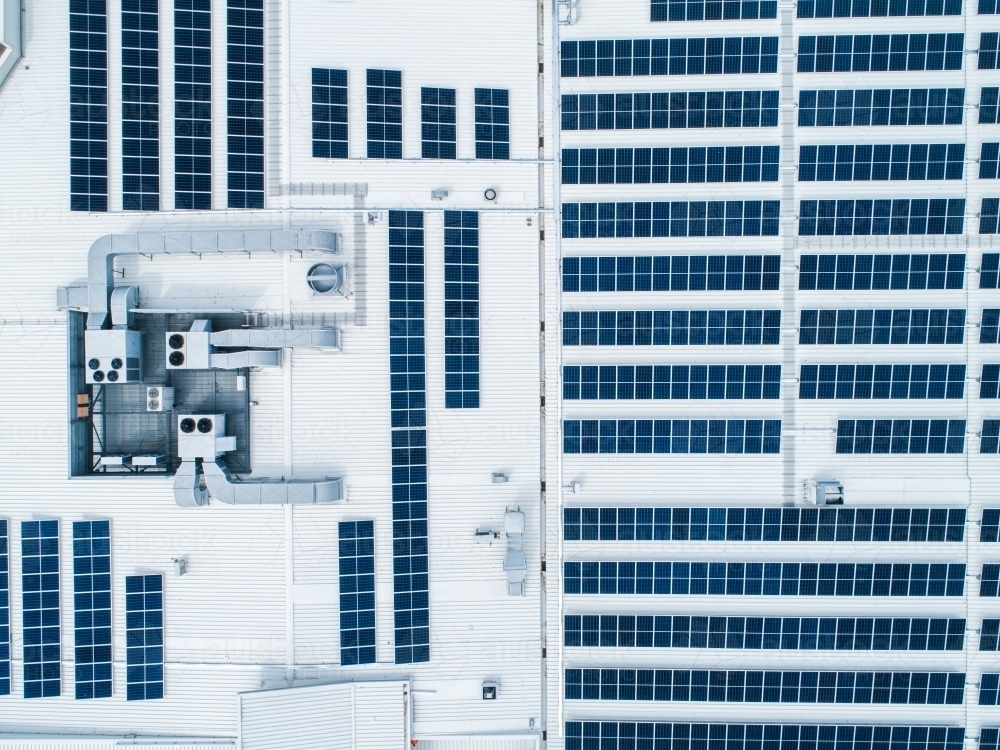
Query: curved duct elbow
x=269, y=492
x=187, y=486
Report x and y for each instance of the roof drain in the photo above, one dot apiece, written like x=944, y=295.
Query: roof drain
x=100, y=259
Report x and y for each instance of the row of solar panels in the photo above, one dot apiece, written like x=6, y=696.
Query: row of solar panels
x=92, y=611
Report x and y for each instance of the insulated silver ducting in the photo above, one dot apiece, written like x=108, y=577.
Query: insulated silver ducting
x=246, y=358
x=269, y=492
x=221, y=485
x=100, y=260
x=277, y=338
x=187, y=486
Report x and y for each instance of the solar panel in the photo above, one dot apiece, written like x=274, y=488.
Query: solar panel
x=4, y=611
x=92, y=608
x=40, y=608
x=144, y=637
x=357, y=592
x=461, y=309
x=409, y=435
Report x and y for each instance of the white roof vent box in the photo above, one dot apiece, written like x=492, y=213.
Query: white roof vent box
x=113, y=356
x=824, y=492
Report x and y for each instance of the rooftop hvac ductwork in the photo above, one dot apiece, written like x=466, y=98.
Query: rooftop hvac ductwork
x=220, y=484
x=100, y=260
x=201, y=441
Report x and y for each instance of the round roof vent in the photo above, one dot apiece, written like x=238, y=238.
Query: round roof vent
x=187, y=425
x=324, y=278
x=204, y=425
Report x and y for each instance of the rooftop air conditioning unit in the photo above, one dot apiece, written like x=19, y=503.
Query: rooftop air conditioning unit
x=203, y=436
x=113, y=356
x=159, y=398
x=825, y=492
x=190, y=350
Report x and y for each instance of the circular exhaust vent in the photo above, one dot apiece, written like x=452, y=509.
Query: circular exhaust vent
x=204, y=425
x=176, y=359
x=324, y=278
x=187, y=425
x=98, y=376
x=116, y=364
x=112, y=376
x=176, y=341
x=93, y=363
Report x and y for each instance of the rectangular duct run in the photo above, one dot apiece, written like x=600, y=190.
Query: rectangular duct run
x=409, y=435
x=40, y=608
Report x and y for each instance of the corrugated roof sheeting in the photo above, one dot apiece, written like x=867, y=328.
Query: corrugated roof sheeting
x=472, y=742
x=226, y=618
x=348, y=716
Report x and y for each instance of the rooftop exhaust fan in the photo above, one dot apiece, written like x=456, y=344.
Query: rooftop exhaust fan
x=325, y=278
x=825, y=492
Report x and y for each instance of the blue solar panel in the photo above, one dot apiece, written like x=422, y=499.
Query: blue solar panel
x=409, y=435
x=140, y=106
x=245, y=124
x=193, y=104
x=4, y=611
x=764, y=579
x=771, y=524
x=461, y=309
x=989, y=739
x=88, y=109
x=144, y=637
x=40, y=608
x=92, y=608
x=357, y=592
x=738, y=686
x=648, y=735
x=770, y=633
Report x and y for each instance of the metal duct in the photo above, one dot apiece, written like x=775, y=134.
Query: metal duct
x=514, y=564
x=250, y=358
x=187, y=485
x=269, y=491
x=123, y=300
x=100, y=259
x=277, y=338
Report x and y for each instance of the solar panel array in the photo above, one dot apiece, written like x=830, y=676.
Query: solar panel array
x=92, y=608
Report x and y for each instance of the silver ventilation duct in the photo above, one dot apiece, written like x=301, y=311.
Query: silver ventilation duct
x=514, y=564
x=187, y=486
x=100, y=260
x=221, y=486
x=246, y=358
x=277, y=338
